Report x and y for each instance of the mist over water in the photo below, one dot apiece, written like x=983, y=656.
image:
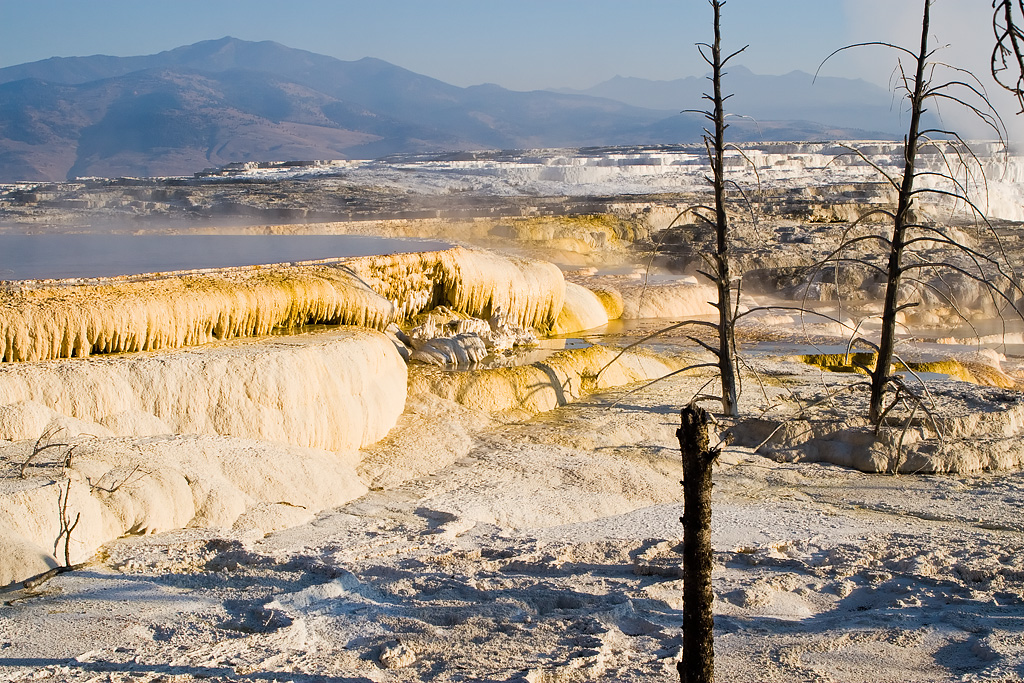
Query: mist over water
x=35, y=257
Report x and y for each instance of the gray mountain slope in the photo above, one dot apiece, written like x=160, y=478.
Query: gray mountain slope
x=227, y=100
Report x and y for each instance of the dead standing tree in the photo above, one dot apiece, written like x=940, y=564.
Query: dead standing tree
x=906, y=264
x=720, y=262
x=721, y=274
x=697, y=662
x=917, y=92
x=718, y=265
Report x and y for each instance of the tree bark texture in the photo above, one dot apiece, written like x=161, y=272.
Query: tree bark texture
x=887, y=341
x=723, y=276
x=697, y=664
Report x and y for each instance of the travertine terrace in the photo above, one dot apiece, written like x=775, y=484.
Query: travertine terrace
x=261, y=485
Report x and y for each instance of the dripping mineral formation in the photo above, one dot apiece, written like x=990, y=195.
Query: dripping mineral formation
x=523, y=507
x=177, y=372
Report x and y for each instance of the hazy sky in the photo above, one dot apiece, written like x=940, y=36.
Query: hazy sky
x=519, y=44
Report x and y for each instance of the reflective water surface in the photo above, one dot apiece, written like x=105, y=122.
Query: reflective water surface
x=34, y=257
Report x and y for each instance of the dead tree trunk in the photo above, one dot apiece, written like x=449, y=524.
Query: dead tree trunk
x=950, y=172
x=917, y=95
x=722, y=275
x=697, y=664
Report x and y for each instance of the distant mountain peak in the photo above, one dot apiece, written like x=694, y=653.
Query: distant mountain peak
x=227, y=99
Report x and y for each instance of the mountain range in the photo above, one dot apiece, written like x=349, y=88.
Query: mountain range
x=228, y=100
x=839, y=102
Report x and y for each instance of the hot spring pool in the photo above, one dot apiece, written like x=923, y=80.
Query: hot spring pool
x=38, y=257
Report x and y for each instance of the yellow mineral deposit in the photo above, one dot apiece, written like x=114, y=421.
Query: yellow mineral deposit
x=528, y=389
x=530, y=293
x=475, y=282
x=582, y=310
x=990, y=375
x=70, y=320
x=612, y=301
x=122, y=315
x=678, y=300
x=182, y=412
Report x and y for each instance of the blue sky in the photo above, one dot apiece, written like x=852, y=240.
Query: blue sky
x=519, y=44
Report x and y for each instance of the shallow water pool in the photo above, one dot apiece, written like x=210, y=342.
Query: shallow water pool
x=38, y=257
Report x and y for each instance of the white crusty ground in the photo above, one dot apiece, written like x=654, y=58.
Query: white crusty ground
x=547, y=550
x=258, y=433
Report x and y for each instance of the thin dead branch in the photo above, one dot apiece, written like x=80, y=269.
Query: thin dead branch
x=66, y=525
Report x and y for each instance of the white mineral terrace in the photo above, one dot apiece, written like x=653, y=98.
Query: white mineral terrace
x=995, y=176
x=185, y=355
x=313, y=505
